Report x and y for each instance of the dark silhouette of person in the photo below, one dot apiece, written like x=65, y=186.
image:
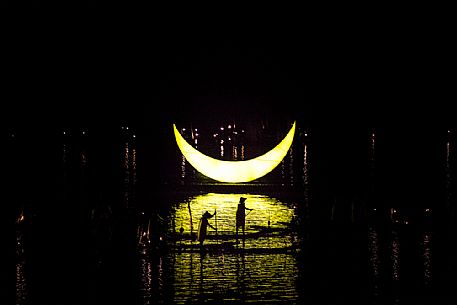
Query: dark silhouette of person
x=203, y=226
x=241, y=216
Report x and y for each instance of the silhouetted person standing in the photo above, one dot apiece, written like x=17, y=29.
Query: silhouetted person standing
x=203, y=226
x=241, y=216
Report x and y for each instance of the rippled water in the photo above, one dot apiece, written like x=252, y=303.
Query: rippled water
x=302, y=246
x=233, y=278
x=267, y=213
x=21, y=277
x=226, y=276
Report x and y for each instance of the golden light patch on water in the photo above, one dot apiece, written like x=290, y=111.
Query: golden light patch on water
x=268, y=212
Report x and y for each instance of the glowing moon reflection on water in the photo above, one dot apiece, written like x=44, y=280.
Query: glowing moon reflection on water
x=268, y=211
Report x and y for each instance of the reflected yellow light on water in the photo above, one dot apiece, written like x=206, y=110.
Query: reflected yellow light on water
x=234, y=279
x=266, y=270
x=267, y=212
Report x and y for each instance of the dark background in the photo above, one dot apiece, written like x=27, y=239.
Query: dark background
x=95, y=71
x=340, y=81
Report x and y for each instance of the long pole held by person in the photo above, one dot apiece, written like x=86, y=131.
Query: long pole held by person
x=215, y=220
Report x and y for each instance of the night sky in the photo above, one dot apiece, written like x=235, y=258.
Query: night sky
x=340, y=80
x=96, y=74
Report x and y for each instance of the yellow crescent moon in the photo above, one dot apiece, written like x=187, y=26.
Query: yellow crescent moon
x=235, y=171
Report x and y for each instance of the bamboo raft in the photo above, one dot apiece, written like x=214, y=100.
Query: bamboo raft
x=224, y=242
x=259, y=231
x=230, y=247
x=228, y=242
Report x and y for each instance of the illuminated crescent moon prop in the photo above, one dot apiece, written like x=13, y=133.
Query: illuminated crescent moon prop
x=235, y=171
